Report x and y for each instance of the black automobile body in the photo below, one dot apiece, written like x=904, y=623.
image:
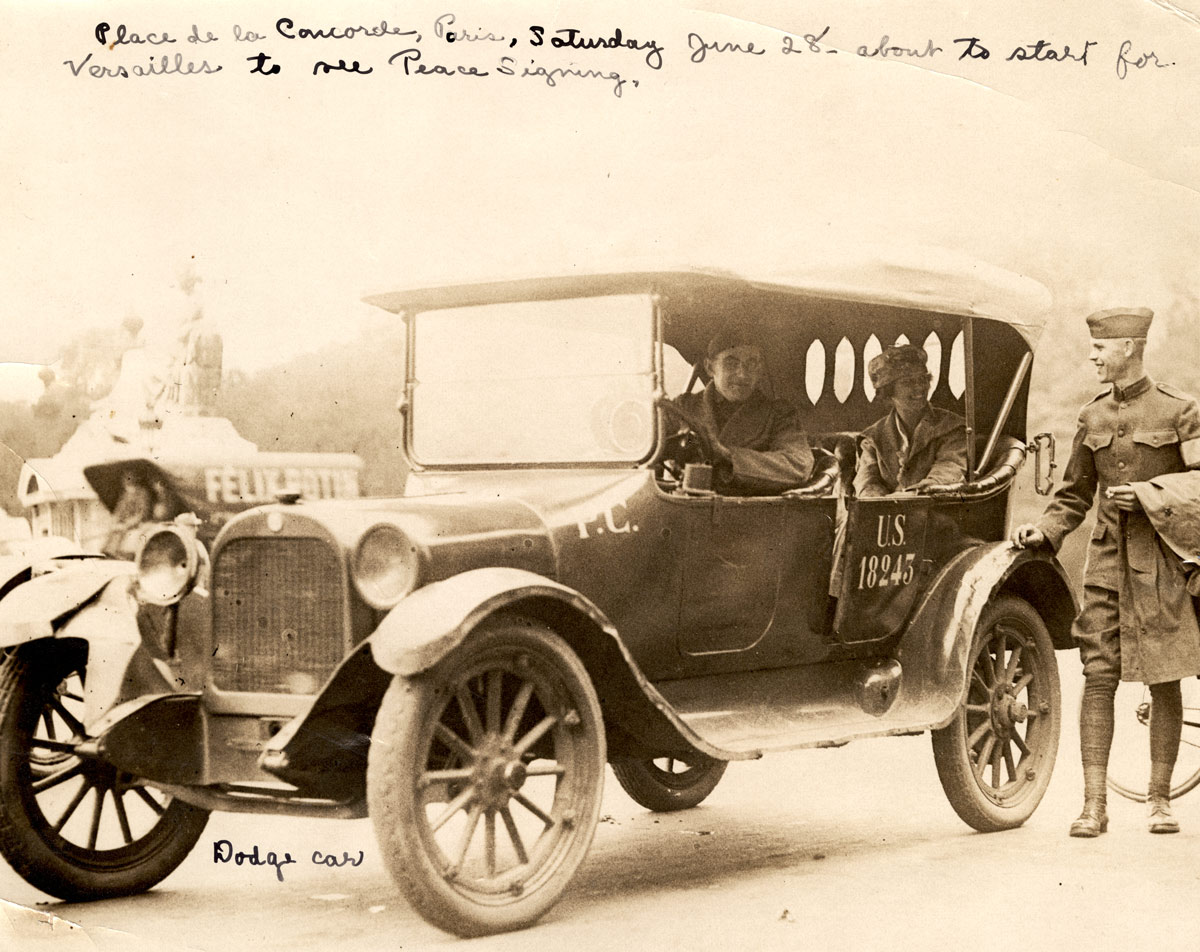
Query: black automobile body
x=554, y=592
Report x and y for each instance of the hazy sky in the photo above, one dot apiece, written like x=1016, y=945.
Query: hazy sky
x=296, y=194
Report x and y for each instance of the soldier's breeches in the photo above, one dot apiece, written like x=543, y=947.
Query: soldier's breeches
x=1098, y=630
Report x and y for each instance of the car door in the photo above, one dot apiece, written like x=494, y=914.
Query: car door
x=885, y=566
x=755, y=581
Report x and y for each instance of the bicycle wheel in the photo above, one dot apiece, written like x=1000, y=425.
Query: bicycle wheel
x=1129, y=762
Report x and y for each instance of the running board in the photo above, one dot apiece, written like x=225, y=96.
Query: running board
x=275, y=800
x=822, y=705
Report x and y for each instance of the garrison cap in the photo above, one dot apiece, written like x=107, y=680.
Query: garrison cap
x=1120, y=322
x=896, y=363
x=730, y=337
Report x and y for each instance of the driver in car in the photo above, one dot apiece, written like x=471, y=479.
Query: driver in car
x=758, y=444
x=916, y=444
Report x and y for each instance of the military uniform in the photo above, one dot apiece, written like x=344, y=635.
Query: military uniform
x=769, y=448
x=1137, y=621
x=1126, y=436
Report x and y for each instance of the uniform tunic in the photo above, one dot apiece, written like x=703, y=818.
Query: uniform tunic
x=769, y=446
x=1126, y=436
x=936, y=453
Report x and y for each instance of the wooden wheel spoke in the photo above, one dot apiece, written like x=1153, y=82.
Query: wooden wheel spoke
x=468, y=834
x=514, y=834
x=979, y=733
x=534, y=735
x=454, y=742
x=997, y=779
x=495, y=695
x=548, y=769
x=1020, y=742
x=97, y=812
x=1009, y=763
x=1014, y=663
x=71, y=720
x=1001, y=642
x=63, y=746
x=1026, y=680
x=533, y=808
x=59, y=776
x=985, y=754
x=517, y=711
x=489, y=841
x=150, y=801
x=452, y=808
x=72, y=806
x=989, y=664
x=122, y=816
x=466, y=704
x=430, y=777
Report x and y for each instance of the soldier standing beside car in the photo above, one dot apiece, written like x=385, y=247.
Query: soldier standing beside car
x=1137, y=622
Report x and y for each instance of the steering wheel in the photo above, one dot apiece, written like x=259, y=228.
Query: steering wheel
x=676, y=446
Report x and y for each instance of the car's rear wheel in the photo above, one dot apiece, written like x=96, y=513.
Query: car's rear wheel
x=485, y=776
x=664, y=784
x=996, y=757
x=76, y=827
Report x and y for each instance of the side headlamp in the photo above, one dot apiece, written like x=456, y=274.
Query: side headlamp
x=168, y=563
x=385, y=567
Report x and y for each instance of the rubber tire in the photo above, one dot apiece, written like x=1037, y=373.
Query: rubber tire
x=38, y=854
x=950, y=753
x=647, y=785
x=397, y=755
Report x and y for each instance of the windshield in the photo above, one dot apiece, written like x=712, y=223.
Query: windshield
x=564, y=381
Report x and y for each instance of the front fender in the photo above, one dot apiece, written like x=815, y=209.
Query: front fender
x=935, y=647
x=91, y=602
x=38, y=607
x=434, y=620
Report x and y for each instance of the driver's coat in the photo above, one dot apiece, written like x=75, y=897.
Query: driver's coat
x=769, y=446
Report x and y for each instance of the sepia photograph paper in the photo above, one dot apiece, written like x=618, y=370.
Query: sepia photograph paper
x=225, y=226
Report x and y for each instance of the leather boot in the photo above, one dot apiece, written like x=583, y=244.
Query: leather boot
x=1094, y=819
x=1162, y=820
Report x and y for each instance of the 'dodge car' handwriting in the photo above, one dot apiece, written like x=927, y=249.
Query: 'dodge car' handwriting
x=223, y=852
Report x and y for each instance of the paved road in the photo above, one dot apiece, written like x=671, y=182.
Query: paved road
x=837, y=849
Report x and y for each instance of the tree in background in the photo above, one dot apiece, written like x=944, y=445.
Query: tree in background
x=341, y=399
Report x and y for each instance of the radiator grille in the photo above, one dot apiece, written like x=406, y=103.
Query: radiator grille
x=277, y=615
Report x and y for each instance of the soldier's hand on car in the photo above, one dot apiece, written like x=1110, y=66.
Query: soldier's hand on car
x=1028, y=536
x=1125, y=498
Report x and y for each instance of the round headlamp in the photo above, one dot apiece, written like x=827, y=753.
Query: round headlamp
x=385, y=566
x=167, y=565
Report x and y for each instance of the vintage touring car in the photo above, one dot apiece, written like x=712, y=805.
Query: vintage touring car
x=557, y=589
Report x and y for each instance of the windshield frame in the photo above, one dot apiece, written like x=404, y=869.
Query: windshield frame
x=406, y=405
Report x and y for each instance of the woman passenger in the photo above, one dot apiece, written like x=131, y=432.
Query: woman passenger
x=916, y=444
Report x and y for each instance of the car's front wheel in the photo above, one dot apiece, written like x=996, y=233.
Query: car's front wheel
x=74, y=826
x=664, y=784
x=485, y=776
x=996, y=757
